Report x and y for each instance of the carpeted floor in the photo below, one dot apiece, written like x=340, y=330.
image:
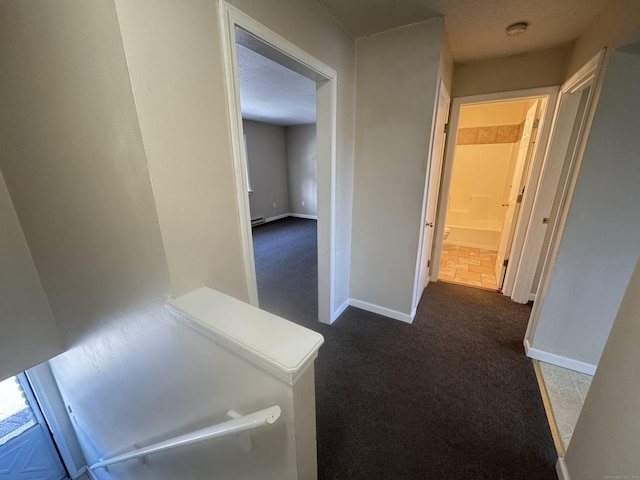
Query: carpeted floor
x=451, y=396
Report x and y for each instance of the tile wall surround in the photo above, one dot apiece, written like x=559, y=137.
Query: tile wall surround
x=487, y=135
x=566, y=390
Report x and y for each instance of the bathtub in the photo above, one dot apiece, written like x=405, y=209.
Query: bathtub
x=487, y=238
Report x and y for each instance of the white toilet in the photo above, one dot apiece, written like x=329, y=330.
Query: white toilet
x=447, y=231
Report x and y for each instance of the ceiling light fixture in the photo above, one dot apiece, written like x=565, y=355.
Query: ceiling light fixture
x=516, y=28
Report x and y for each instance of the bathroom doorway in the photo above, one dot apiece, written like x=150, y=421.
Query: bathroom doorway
x=490, y=162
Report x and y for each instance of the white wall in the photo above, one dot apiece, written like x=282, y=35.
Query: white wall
x=29, y=332
x=302, y=161
x=599, y=245
x=605, y=440
x=478, y=183
x=396, y=87
x=268, y=168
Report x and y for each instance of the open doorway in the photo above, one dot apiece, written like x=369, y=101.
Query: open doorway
x=277, y=49
x=492, y=151
x=279, y=127
x=27, y=450
x=491, y=169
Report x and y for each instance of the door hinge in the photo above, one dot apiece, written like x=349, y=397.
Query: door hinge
x=446, y=128
x=536, y=123
x=428, y=263
x=505, y=263
x=519, y=200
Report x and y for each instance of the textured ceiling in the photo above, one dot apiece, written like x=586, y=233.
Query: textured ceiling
x=475, y=27
x=275, y=94
x=272, y=93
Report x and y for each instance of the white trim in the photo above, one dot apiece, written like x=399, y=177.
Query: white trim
x=340, y=310
x=562, y=470
x=49, y=416
x=277, y=217
x=591, y=72
x=285, y=215
x=532, y=297
x=537, y=159
x=327, y=101
x=549, y=93
x=441, y=91
x=548, y=184
x=304, y=215
x=386, y=312
x=559, y=360
x=205, y=310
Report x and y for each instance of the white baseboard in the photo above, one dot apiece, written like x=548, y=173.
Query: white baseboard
x=532, y=297
x=285, y=215
x=387, y=312
x=304, y=215
x=339, y=310
x=562, y=470
x=559, y=360
x=277, y=217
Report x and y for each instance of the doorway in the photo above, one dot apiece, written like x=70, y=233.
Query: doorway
x=275, y=48
x=27, y=450
x=492, y=152
x=485, y=202
x=278, y=108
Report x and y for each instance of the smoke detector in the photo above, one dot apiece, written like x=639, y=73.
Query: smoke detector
x=516, y=28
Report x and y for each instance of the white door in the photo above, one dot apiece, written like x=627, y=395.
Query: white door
x=27, y=451
x=433, y=176
x=515, y=191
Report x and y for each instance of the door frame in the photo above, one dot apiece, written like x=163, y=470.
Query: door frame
x=326, y=79
x=435, y=128
x=36, y=398
x=548, y=185
x=591, y=74
x=550, y=94
x=51, y=406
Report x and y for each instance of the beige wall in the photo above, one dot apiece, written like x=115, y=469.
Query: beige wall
x=396, y=87
x=616, y=24
x=75, y=166
x=605, y=440
x=175, y=63
x=518, y=72
x=29, y=332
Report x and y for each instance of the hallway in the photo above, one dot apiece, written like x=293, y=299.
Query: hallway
x=450, y=396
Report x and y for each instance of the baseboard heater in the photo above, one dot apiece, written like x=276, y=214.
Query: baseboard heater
x=257, y=221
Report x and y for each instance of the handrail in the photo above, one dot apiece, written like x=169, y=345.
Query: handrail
x=253, y=420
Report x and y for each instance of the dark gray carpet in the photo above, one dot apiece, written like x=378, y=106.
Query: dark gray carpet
x=451, y=396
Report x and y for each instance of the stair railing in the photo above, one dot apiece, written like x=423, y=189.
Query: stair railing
x=243, y=423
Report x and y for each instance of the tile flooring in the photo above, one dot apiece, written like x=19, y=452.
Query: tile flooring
x=468, y=266
x=566, y=391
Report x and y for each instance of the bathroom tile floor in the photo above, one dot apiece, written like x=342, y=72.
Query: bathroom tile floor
x=566, y=390
x=468, y=266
